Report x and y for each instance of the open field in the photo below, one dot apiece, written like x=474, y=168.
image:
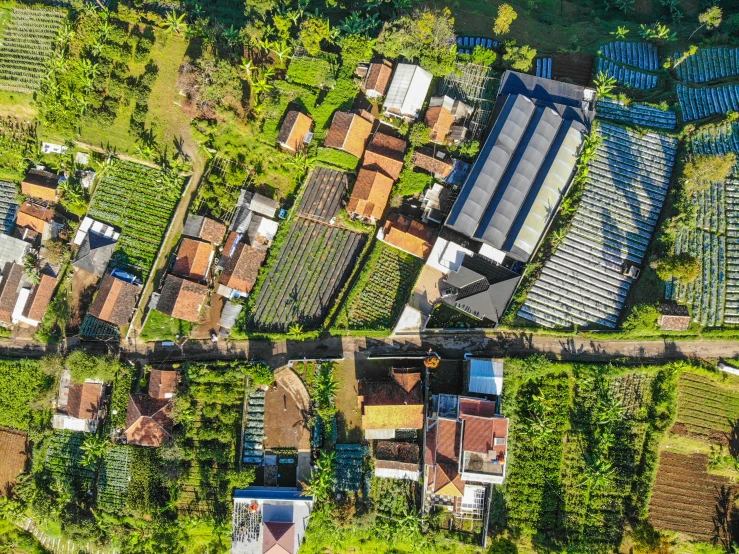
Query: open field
x=683, y=482
x=14, y=454
x=706, y=408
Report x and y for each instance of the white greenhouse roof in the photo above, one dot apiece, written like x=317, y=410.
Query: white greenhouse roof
x=408, y=90
x=447, y=256
x=486, y=376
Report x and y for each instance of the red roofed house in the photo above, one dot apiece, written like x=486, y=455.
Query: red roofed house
x=408, y=235
x=41, y=184
x=295, y=132
x=370, y=195
x=375, y=83
x=148, y=421
x=466, y=448
x=349, y=132
x=38, y=300
x=386, y=154
x=240, y=272
x=442, y=114
x=81, y=408
x=180, y=298
x=35, y=217
x=392, y=404
x=115, y=301
x=193, y=259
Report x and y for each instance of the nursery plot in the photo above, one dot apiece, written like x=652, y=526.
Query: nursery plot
x=27, y=44
x=113, y=479
x=139, y=200
x=312, y=265
x=382, y=289
x=636, y=114
x=632, y=78
x=14, y=454
x=351, y=474
x=705, y=408
x=637, y=54
x=683, y=483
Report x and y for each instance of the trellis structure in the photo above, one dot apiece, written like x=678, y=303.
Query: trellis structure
x=475, y=85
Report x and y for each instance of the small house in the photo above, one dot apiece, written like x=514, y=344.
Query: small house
x=240, y=272
x=370, y=195
x=377, y=79
x=674, y=317
x=148, y=420
x=193, y=260
x=439, y=165
x=441, y=116
x=407, y=91
x=94, y=253
x=9, y=290
x=115, y=301
x=180, y=298
x=435, y=203
x=163, y=384
x=386, y=154
x=31, y=308
x=391, y=405
x=35, y=217
x=41, y=184
x=295, y=132
x=408, y=235
x=349, y=132
x=204, y=228
x=79, y=406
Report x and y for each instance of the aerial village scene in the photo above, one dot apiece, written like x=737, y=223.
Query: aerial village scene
x=369, y=276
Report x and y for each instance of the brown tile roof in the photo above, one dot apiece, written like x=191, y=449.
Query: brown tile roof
x=408, y=235
x=448, y=481
x=294, y=129
x=475, y=407
x=230, y=243
x=193, y=259
x=12, y=275
x=386, y=405
x=40, y=297
x=378, y=77
x=431, y=433
x=40, y=184
x=84, y=400
x=279, y=538
x=407, y=379
x=212, y=230
x=115, y=301
x=370, y=194
x=440, y=119
x=426, y=160
x=242, y=268
x=479, y=434
x=34, y=217
x=182, y=299
x=147, y=421
x=163, y=383
x=349, y=132
x=385, y=153
x=448, y=441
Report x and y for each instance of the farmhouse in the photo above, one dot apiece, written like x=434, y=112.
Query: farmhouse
x=377, y=79
x=36, y=301
x=240, y=272
x=41, y=184
x=115, y=301
x=180, y=298
x=439, y=165
x=349, y=132
x=443, y=112
x=79, y=406
x=386, y=154
x=94, y=253
x=295, y=132
x=407, y=91
x=407, y=234
x=268, y=520
x=391, y=405
x=35, y=217
x=370, y=195
x=397, y=460
x=204, y=228
x=194, y=258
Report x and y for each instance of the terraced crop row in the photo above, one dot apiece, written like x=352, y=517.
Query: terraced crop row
x=704, y=407
x=707, y=64
x=698, y=103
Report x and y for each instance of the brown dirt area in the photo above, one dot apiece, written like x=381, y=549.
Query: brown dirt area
x=14, y=455
x=684, y=486
x=84, y=285
x=286, y=413
x=209, y=318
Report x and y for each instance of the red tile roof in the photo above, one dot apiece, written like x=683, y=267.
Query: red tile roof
x=40, y=297
x=11, y=279
x=387, y=405
x=385, y=153
x=408, y=235
x=147, y=421
x=115, y=301
x=84, y=400
x=426, y=160
x=193, y=259
x=476, y=407
x=242, y=268
x=348, y=132
x=212, y=230
x=479, y=434
x=182, y=299
x=34, y=216
x=370, y=194
x=40, y=184
x=163, y=384
x=440, y=119
x=378, y=77
x=294, y=129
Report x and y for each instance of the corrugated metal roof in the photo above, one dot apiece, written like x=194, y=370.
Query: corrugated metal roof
x=486, y=376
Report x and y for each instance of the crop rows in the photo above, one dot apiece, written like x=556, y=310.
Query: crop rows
x=27, y=43
x=633, y=392
x=64, y=460
x=707, y=64
x=138, y=200
x=313, y=263
x=115, y=474
x=697, y=103
x=626, y=76
x=704, y=407
x=392, y=275
x=637, y=54
x=636, y=114
x=349, y=470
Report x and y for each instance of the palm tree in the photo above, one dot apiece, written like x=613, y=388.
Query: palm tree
x=295, y=329
x=321, y=481
x=302, y=164
x=94, y=449
x=247, y=66
x=604, y=84
x=281, y=50
x=620, y=32
x=232, y=36
x=175, y=24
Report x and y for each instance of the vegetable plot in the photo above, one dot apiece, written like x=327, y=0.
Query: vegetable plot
x=27, y=44
x=139, y=200
x=113, y=479
x=705, y=408
x=707, y=64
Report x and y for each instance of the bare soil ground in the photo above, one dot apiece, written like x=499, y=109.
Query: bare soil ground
x=14, y=455
x=575, y=68
x=83, y=289
x=688, y=500
x=286, y=413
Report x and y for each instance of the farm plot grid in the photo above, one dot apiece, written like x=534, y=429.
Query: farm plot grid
x=383, y=288
x=139, y=200
x=64, y=461
x=714, y=239
x=586, y=280
x=707, y=64
x=683, y=483
x=26, y=45
x=114, y=476
x=323, y=192
x=705, y=408
x=636, y=114
x=698, y=103
x=313, y=263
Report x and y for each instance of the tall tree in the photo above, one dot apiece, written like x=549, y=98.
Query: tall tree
x=506, y=16
x=710, y=19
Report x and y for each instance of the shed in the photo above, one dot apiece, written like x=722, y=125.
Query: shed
x=376, y=81
x=407, y=91
x=8, y=206
x=485, y=376
x=674, y=317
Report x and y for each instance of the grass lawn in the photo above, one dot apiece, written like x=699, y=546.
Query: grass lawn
x=160, y=326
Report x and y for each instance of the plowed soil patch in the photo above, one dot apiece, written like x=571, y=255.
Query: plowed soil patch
x=14, y=455
x=687, y=499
